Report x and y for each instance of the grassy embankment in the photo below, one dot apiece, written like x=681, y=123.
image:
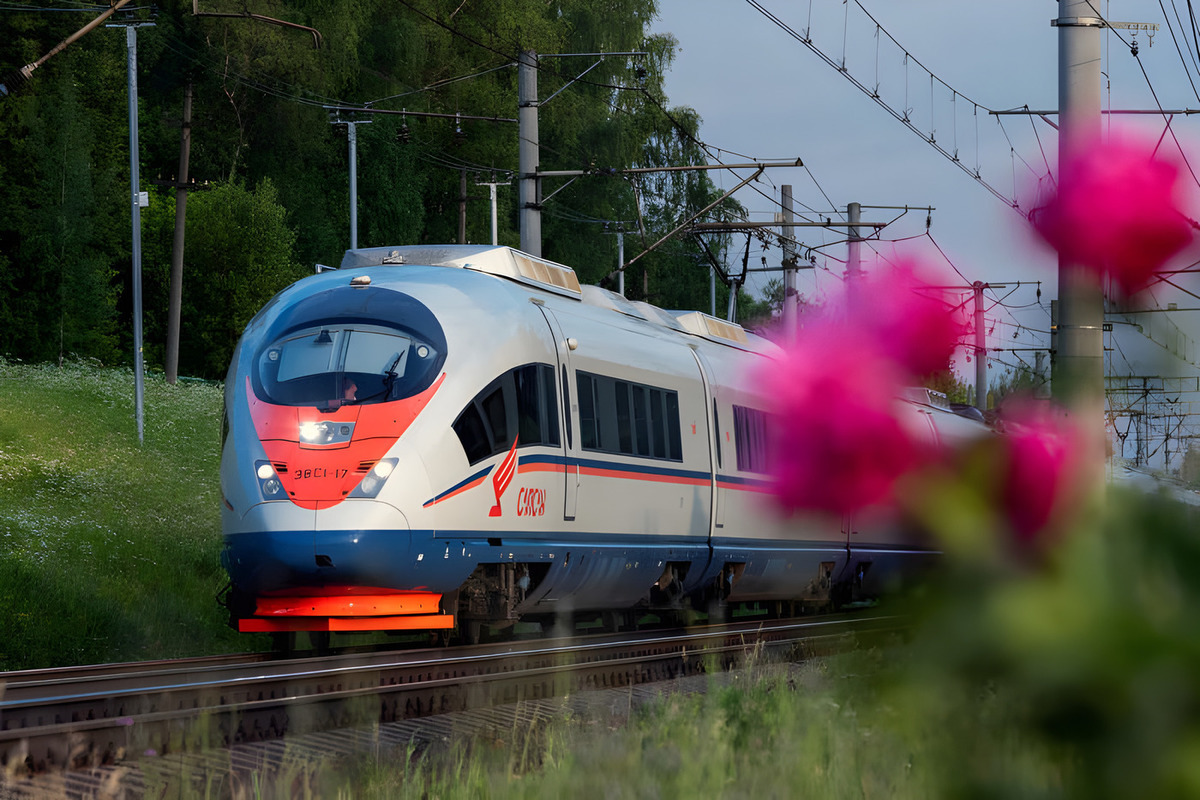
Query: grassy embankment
x=108, y=549
x=837, y=727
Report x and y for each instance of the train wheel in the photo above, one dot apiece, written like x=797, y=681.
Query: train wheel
x=563, y=626
x=320, y=642
x=718, y=611
x=283, y=643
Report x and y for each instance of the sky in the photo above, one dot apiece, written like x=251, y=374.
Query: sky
x=945, y=64
x=763, y=94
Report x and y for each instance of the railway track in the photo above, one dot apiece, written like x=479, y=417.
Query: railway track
x=86, y=717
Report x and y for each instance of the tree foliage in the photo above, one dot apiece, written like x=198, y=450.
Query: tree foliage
x=270, y=158
x=1018, y=381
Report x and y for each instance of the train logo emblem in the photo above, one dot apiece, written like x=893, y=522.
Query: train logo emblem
x=504, y=476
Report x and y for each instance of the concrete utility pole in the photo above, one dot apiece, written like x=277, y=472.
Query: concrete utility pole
x=492, y=184
x=1078, y=366
x=528, y=182
x=620, y=261
x=492, y=199
x=790, y=311
x=352, y=137
x=980, y=349
x=137, y=200
x=853, y=259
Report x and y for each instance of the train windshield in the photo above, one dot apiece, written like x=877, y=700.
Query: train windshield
x=331, y=366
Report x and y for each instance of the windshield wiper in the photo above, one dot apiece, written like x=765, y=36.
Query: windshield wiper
x=389, y=378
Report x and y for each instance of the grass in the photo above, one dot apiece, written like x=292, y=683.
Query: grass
x=841, y=727
x=837, y=727
x=108, y=548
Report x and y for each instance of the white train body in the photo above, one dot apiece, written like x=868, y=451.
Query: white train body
x=519, y=446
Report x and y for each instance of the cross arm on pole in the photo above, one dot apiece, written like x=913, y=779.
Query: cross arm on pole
x=698, y=214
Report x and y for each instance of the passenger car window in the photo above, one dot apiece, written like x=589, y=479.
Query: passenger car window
x=629, y=418
x=521, y=404
x=750, y=434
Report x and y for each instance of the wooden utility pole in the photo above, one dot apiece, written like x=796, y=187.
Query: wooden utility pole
x=175, y=301
x=462, y=206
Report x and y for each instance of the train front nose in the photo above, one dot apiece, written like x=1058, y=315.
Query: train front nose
x=313, y=576
x=359, y=544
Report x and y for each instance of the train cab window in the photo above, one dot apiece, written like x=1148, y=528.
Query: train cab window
x=521, y=404
x=628, y=418
x=750, y=435
x=331, y=366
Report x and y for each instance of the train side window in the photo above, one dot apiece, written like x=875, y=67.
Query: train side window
x=641, y=421
x=520, y=404
x=674, y=431
x=473, y=434
x=536, y=407
x=548, y=403
x=495, y=413
x=750, y=435
x=624, y=428
x=658, y=423
x=628, y=418
x=589, y=431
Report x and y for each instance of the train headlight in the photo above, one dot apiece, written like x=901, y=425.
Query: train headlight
x=325, y=432
x=373, y=481
x=268, y=481
x=317, y=432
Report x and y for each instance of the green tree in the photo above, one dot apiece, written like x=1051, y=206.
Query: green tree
x=63, y=300
x=1189, y=473
x=950, y=384
x=1020, y=380
x=239, y=254
x=260, y=115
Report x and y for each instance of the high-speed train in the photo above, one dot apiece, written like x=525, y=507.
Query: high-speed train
x=437, y=438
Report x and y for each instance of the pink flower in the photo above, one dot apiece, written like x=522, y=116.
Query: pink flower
x=1116, y=212
x=917, y=325
x=837, y=444
x=1039, y=472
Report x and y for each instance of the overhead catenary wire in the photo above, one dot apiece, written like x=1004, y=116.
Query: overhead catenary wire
x=901, y=115
x=1176, y=42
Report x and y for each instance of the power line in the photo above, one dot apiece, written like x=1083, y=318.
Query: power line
x=903, y=116
x=1170, y=28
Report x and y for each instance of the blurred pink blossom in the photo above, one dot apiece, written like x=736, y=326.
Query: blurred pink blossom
x=1040, y=476
x=916, y=324
x=1116, y=211
x=837, y=444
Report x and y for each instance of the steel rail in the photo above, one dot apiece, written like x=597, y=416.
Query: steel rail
x=82, y=721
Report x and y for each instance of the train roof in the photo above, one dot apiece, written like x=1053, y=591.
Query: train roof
x=538, y=273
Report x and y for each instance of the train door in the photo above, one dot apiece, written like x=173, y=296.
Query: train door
x=570, y=412
x=717, y=519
